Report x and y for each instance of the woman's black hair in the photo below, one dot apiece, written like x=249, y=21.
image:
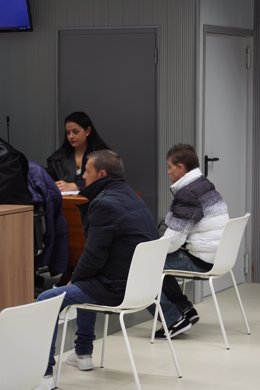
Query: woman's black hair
x=95, y=142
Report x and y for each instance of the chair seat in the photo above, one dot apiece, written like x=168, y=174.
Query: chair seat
x=190, y=274
x=108, y=309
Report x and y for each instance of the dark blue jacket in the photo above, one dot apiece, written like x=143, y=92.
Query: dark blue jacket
x=44, y=191
x=115, y=220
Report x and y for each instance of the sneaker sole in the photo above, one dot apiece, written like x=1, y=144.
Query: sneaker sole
x=78, y=365
x=83, y=368
x=172, y=335
x=194, y=320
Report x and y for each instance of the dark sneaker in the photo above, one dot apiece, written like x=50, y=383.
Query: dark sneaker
x=159, y=334
x=178, y=327
x=192, y=315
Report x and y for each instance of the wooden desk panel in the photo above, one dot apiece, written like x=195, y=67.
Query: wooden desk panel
x=16, y=255
x=75, y=228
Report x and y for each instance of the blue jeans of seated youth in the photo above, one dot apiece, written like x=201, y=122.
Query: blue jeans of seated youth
x=174, y=307
x=85, y=321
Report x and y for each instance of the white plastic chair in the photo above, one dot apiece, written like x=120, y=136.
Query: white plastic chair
x=224, y=262
x=25, y=338
x=143, y=284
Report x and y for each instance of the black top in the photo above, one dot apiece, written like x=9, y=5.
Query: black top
x=61, y=165
x=13, y=176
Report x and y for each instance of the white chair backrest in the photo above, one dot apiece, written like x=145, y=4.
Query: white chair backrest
x=145, y=274
x=229, y=245
x=25, y=338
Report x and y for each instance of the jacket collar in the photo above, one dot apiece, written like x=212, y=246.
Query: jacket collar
x=185, y=180
x=91, y=191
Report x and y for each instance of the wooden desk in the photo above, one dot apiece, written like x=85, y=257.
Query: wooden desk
x=16, y=255
x=75, y=228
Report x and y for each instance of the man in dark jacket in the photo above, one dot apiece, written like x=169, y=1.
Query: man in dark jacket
x=115, y=220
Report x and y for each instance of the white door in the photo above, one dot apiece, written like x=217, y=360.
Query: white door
x=225, y=126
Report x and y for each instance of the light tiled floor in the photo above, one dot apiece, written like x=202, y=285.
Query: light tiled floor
x=203, y=359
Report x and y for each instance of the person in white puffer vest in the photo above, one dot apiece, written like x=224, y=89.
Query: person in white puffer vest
x=195, y=222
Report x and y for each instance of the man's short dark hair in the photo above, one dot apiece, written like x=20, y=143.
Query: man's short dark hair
x=183, y=154
x=108, y=160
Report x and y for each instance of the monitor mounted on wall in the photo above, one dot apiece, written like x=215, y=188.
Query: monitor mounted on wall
x=15, y=15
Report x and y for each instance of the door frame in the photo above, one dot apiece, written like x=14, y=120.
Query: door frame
x=202, y=32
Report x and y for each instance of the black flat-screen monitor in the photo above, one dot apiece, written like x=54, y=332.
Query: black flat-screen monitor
x=15, y=15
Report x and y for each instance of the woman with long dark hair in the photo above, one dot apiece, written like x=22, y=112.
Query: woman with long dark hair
x=66, y=165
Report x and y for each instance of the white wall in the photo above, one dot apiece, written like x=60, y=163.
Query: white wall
x=228, y=13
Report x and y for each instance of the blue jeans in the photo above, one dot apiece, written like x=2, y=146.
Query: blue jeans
x=173, y=302
x=85, y=321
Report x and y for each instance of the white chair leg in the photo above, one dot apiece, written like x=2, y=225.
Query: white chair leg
x=183, y=285
x=130, y=354
x=155, y=318
x=65, y=324
x=168, y=339
x=240, y=302
x=218, y=312
x=104, y=340
x=155, y=321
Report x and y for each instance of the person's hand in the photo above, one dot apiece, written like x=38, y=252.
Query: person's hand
x=64, y=186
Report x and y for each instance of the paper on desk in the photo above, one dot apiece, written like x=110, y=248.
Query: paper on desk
x=69, y=193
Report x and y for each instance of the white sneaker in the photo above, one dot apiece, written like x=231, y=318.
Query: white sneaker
x=82, y=362
x=47, y=382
